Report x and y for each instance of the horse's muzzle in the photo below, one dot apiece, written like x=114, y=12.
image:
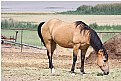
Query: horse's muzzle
x=106, y=73
x=105, y=70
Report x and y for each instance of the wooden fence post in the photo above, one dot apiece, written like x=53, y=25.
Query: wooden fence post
x=21, y=39
x=16, y=36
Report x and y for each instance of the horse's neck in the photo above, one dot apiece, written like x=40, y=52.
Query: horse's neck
x=95, y=41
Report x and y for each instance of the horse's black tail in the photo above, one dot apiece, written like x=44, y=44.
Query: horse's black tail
x=39, y=32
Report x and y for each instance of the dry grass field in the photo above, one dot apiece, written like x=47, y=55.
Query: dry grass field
x=89, y=19
x=32, y=65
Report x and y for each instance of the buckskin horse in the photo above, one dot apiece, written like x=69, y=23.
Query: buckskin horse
x=76, y=35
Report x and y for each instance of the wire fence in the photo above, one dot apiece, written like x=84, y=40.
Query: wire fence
x=28, y=37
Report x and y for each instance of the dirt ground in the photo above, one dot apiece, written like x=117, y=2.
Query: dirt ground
x=15, y=62
x=32, y=65
x=32, y=57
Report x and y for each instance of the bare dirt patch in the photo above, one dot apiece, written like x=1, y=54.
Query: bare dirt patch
x=32, y=64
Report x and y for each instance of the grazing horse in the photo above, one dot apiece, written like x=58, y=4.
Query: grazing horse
x=76, y=35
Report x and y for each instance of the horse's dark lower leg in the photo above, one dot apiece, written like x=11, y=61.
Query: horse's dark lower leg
x=50, y=49
x=74, y=61
x=50, y=60
x=82, y=62
x=75, y=52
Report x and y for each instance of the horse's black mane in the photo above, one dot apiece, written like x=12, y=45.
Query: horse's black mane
x=95, y=41
x=82, y=23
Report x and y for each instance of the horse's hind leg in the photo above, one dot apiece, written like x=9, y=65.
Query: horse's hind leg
x=51, y=45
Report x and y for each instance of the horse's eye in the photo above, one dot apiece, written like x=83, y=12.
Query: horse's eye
x=105, y=60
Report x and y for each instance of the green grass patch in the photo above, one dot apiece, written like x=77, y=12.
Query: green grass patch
x=28, y=37
x=108, y=28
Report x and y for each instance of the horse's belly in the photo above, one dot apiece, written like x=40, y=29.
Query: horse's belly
x=65, y=45
x=63, y=40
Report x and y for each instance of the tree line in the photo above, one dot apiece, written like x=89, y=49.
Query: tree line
x=10, y=23
x=99, y=9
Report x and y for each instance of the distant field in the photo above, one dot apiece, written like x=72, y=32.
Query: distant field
x=89, y=19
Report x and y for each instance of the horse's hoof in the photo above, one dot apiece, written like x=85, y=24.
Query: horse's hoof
x=52, y=70
x=71, y=71
x=73, y=74
x=83, y=73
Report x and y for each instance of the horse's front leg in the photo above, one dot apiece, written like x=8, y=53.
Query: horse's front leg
x=83, y=53
x=75, y=52
x=74, y=61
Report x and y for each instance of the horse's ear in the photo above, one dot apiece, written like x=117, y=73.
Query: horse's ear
x=96, y=62
x=100, y=52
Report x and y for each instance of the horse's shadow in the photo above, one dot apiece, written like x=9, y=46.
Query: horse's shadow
x=87, y=73
x=77, y=73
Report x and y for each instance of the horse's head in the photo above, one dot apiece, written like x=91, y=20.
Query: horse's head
x=102, y=61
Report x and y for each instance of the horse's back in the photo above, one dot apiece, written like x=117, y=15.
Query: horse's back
x=52, y=23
